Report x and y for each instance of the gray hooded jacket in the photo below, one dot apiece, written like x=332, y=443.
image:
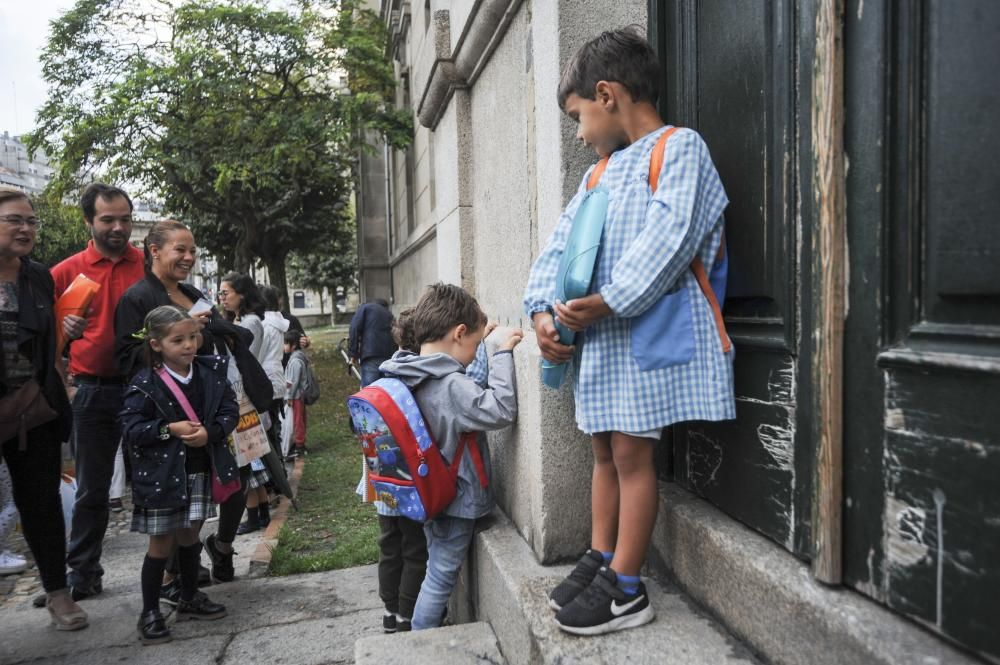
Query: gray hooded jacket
x=452, y=404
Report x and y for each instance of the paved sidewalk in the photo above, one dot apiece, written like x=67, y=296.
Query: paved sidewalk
x=297, y=619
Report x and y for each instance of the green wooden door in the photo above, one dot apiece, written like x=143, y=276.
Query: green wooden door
x=732, y=71
x=922, y=342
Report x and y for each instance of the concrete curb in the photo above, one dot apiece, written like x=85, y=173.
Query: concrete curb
x=465, y=644
x=504, y=585
x=770, y=599
x=261, y=559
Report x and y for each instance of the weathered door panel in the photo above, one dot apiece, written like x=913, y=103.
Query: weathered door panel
x=922, y=343
x=730, y=69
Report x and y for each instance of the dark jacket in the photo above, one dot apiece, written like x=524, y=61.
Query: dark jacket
x=149, y=293
x=142, y=298
x=36, y=337
x=159, y=478
x=371, y=332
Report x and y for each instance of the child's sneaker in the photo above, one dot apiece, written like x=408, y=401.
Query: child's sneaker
x=604, y=608
x=389, y=624
x=577, y=581
x=200, y=607
x=403, y=624
x=170, y=593
x=11, y=564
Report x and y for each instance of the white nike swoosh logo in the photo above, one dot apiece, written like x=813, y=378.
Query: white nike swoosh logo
x=619, y=610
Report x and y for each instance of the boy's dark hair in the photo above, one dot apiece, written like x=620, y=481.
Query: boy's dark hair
x=441, y=308
x=294, y=338
x=621, y=56
x=250, y=300
x=269, y=295
x=157, y=325
x=88, y=200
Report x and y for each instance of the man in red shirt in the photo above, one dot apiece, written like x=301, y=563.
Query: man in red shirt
x=116, y=265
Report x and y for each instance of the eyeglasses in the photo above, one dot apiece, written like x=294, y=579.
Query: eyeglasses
x=17, y=220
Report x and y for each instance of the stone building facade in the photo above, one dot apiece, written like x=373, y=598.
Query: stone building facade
x=820, y=507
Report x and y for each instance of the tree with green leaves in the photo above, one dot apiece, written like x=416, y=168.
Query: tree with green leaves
x=243, y=118
x=333, y=270
x=63, y=232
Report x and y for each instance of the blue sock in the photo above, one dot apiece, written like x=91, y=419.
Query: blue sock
x=629, y=584
x=607, y=556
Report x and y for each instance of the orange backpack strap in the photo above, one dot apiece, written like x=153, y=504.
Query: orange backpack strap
x=595, y=175
x=655, y=166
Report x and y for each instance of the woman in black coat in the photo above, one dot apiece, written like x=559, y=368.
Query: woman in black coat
x=28, y=340
x=170, y=255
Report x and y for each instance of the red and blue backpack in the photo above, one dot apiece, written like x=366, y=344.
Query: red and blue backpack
x=405, y=466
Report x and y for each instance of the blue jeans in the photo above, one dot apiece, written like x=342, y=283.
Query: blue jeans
x=448, y=540
x=369, y=370
x=95, y=439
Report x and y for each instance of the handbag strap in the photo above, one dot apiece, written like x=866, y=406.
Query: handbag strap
x=178, y=393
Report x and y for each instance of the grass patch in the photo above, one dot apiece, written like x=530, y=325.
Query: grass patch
x=333, y=528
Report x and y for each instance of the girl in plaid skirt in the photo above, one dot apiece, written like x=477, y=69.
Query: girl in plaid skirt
x=177, y=416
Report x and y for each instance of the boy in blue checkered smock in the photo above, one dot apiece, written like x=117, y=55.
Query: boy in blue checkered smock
x=630, y=384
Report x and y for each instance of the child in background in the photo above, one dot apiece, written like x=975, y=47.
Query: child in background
x=447, y=327
x=402, y=547
x=627, y=388
x=178, y=413
x=295, y=376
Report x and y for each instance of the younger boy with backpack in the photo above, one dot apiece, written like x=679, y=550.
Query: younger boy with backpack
x=653, y=350
x=303, y=389
x=452, y=414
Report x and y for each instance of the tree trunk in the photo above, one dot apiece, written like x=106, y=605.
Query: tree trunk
x=277, y=274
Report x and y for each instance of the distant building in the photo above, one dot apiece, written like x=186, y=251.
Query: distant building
x=18, y=170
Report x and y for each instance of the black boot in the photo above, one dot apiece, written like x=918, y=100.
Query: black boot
x=222, y=563
x=152, y=628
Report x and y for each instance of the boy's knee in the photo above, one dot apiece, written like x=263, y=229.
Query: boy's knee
x=633, y=455
x=601, y=446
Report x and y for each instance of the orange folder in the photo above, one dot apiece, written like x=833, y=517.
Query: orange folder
x=74, y=300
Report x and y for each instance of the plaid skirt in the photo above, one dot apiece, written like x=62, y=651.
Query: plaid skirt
x=259, y=478
x=161, y=521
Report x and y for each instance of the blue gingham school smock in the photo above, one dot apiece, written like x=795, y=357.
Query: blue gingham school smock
x=649, y=243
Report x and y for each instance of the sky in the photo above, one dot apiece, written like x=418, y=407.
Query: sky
x=24, y=27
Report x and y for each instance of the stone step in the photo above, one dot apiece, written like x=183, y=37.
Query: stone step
x=510, y=591
x=464, y=644
x=769, y=599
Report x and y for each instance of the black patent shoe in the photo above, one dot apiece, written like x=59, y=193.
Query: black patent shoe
x=153, y=628
x=200, y=608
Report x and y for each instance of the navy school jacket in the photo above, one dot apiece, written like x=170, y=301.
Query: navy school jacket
x=159, y=478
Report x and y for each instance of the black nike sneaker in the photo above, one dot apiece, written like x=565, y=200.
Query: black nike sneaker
x=604, y=608
x=578, y=580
